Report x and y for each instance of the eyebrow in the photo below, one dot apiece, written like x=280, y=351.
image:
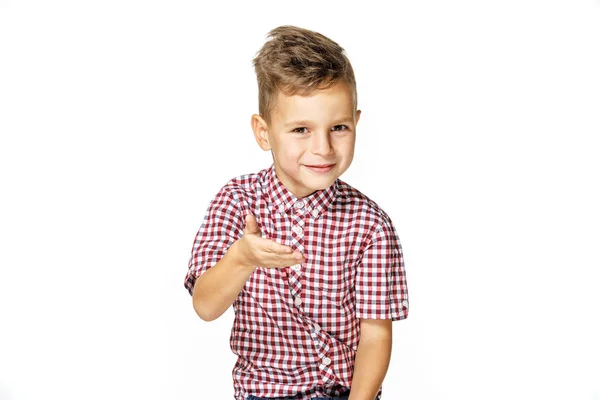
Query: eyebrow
x=297, y=123
x=305, y=123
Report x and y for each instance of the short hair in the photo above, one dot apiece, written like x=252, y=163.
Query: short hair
x=299, y=61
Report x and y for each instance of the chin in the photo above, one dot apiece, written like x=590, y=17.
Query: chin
x=322, y=183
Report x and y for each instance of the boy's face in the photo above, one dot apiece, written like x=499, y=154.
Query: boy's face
x=311, y=138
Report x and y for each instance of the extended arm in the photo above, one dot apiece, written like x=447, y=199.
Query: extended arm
x=372, y=358
x=218, y=287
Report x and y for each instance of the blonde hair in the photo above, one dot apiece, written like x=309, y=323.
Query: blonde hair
x=299, y=61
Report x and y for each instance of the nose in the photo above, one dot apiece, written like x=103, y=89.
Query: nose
x=321, y=144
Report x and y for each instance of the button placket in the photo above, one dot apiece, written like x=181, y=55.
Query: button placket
x=297, y=242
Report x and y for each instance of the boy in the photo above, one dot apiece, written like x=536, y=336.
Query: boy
x=313, y=267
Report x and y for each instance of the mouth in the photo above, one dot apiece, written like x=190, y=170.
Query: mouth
x=320, y=168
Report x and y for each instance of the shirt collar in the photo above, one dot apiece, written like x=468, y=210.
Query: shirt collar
x=283, y=199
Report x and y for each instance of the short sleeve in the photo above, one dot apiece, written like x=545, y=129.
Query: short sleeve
x=381, y=290
x=223, y=224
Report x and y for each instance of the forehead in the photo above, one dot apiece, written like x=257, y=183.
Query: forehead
x=321, y=103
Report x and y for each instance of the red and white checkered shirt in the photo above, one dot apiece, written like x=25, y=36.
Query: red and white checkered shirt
x=296, y=329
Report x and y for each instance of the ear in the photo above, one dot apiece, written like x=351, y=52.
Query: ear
x=357, y=116
x=261, y=132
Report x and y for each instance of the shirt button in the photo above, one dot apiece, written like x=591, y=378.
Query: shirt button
x=326, y=361
x=296, y=267
x=297, y=230
x=317, y=328
x=298, y=301
x=299, y=204
x=315, y=213
x=405, y=303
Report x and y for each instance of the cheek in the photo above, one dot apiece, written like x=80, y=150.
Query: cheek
x=351, y=148
x=291, y=149
x=287, y=155
x=346, y=146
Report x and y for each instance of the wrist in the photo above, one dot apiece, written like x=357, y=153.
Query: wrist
x=238, y=256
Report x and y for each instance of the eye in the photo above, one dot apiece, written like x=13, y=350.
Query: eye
x=340, y=128
x=300, y=130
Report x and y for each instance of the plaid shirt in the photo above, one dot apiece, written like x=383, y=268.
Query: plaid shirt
x=296, y=329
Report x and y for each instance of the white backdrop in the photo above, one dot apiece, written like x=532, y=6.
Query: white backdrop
x=120, y=120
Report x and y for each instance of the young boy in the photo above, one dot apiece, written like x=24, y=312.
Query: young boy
x=312, y=266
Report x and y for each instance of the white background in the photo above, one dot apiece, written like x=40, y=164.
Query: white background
x=120, y=120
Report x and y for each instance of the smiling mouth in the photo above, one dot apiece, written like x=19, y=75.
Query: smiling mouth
x=323, y=168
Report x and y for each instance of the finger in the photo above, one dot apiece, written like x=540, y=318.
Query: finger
x=251, y=225
x=277, y=248
x=282, y=261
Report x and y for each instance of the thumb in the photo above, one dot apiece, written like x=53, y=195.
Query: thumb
x=251, y=225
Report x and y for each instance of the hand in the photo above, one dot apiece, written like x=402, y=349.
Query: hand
x=254, y=250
